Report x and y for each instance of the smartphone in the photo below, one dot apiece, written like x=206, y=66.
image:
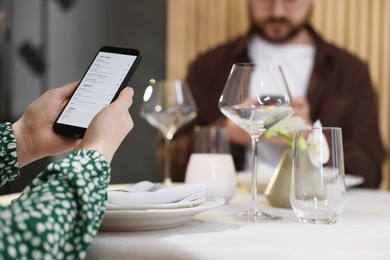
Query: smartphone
x=107, y=75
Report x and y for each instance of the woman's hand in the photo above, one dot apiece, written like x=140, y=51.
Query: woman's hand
x=110, y=126
x=34, y=133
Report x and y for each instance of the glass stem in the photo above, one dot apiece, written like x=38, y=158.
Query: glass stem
x=255, y=142
x=167, y=162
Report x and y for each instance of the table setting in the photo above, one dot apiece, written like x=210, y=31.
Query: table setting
x=324, y=215
x=149, y=206
x=361, y=232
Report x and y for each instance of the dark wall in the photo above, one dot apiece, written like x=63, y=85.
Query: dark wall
x=72, y=36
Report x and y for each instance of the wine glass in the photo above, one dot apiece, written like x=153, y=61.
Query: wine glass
x=255, y=97
x=168, y=105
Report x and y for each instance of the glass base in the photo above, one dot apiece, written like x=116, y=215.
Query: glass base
x=253, y=215
x=325, y=221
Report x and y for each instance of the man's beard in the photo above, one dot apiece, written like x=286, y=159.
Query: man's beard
x=292, y=32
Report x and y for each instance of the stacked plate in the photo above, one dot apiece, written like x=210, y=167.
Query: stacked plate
x=149, y=216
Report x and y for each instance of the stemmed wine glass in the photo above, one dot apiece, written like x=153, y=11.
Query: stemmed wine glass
x=255, y=97
x=168, y=105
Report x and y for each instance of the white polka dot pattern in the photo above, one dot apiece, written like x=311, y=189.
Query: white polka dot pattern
x=9, y=169
x=58, y=214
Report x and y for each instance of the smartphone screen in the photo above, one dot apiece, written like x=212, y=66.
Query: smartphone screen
x=108, y=73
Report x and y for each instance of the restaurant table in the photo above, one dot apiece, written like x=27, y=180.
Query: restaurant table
x=362, y=232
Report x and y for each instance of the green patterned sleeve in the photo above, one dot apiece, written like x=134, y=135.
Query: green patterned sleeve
x=59, y=213
x=9, y=169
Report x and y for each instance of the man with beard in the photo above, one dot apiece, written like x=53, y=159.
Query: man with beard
x=327, y=83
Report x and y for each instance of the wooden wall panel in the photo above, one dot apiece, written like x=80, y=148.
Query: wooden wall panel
x=360, y=26
x=196, y=25
x=352, y=31
x=384, y=82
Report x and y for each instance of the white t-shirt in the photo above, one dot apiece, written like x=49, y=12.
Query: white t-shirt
x=297, y=61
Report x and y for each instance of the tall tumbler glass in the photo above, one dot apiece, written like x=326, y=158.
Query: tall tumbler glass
x=317, y=185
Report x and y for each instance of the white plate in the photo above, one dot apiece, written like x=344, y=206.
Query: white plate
x=175, y=205
x=136, y=220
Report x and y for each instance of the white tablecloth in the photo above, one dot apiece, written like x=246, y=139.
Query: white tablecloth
x=362, y=232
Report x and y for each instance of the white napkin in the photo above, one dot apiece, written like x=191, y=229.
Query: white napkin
x=138, y=195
